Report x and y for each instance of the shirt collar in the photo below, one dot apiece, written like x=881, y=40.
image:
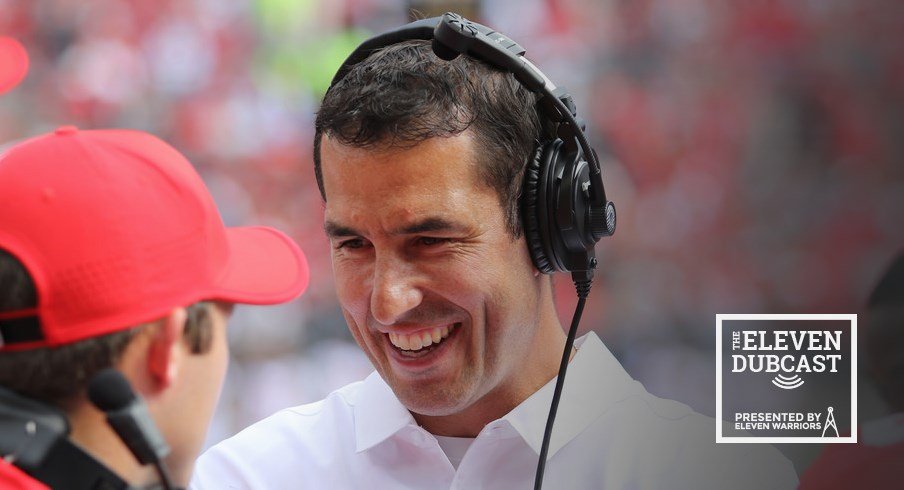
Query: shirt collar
x=378, y=413
x=595, y=380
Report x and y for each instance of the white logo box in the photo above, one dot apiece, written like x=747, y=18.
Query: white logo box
x=852, y=438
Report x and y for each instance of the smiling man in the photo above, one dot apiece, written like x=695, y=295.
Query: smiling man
x=420, y=164
x=434, y=286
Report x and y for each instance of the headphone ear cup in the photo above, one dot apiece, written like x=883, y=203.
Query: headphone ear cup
x=533, y=173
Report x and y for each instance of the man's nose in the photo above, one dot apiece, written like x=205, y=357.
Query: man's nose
x=395, y=291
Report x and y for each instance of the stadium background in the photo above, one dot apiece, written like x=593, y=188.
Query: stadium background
x=754, y=150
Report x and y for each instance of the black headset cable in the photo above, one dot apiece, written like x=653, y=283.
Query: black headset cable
x=583, y=289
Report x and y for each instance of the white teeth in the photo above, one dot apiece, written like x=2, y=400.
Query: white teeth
x=419, y=340
x=414, y=342
x=396, y=341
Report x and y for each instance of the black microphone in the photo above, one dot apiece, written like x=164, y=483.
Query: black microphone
x=128, y=415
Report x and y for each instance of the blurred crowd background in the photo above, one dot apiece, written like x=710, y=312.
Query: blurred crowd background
x=755, y=150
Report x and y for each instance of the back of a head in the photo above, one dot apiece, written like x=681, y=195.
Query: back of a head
x=103, y=231
x=108, y=233
x=404, y=94
x=116, y=228
x=48, y=374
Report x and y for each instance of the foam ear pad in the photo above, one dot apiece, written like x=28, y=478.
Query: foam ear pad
x=533, y=175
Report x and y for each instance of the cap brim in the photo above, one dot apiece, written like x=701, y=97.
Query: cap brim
x=265, y=267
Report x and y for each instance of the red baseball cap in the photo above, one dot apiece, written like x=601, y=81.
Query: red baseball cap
x=116, y=228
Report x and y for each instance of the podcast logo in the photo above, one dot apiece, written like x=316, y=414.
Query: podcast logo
x=786, y=378
x=764, y=351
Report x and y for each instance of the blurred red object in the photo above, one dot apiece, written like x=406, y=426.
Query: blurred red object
x=13, y=63
x=12, y=478
x=850, y=467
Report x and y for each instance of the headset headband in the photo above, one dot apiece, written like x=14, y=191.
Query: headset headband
x=420, y=29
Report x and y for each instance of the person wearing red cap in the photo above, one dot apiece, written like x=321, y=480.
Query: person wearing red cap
x=113, y=254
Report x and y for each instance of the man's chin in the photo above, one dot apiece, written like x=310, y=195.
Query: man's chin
x=430, y=402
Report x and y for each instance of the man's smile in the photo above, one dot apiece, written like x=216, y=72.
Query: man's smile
x=420, y=349
x=421, y=339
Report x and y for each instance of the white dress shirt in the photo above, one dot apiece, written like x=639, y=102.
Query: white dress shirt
x=609, y=434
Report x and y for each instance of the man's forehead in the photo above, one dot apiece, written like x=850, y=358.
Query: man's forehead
x=436, y=153
x=376, y=174
x=429, y=187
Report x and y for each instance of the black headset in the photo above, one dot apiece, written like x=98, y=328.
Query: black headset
x=35, y=437
x=563, y=202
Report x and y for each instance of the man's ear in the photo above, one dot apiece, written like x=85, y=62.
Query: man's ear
x=164, y=352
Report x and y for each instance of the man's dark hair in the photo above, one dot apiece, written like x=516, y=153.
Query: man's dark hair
x=403, y=94
x=56, y=375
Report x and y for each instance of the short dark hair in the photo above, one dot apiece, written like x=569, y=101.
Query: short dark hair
x=403, y=94
x=56, y=375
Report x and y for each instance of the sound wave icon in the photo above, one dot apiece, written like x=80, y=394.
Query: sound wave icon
x=787, y=382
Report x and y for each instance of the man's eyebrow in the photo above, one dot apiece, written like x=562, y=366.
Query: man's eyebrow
x=334, y=229
x=427, y=225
